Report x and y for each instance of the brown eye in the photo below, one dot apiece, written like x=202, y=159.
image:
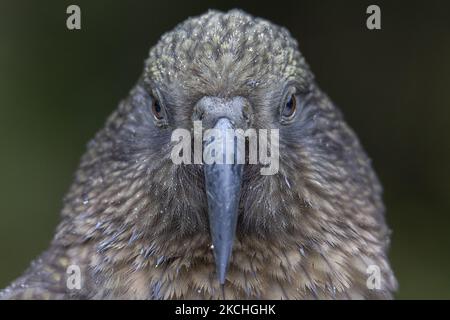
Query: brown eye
x=290, y=108
x=157, y=110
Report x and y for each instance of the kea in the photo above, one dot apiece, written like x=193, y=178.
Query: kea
x=136, y=225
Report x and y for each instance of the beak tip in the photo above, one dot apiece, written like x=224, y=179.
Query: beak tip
x=222, y=261
x=222, y=276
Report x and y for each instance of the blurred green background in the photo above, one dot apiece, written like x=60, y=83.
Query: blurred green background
x=58, y=86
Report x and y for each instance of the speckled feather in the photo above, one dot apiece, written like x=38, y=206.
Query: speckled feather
x=137, y=224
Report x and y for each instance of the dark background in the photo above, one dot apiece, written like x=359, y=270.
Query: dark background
x=58, y=86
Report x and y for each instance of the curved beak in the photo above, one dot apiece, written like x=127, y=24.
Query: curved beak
x=223, y=185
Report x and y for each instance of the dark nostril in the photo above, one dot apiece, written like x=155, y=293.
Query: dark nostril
x=198, y=114
x=246, y=112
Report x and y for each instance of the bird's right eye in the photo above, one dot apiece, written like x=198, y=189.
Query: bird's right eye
x=157, y=109
x=290, y=107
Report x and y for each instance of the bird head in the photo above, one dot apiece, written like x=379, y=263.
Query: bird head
x=229, y=71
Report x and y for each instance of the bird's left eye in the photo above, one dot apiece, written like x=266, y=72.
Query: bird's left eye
x=289, y=108
x=157, y=109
